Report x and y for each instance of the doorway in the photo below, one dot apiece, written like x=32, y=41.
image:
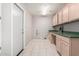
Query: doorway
x=41, y=25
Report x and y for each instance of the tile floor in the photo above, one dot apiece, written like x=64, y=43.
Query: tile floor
x=40, y=47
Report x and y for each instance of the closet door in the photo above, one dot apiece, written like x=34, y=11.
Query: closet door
x=17, y=29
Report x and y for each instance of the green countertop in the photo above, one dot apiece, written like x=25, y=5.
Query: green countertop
x=66, y=33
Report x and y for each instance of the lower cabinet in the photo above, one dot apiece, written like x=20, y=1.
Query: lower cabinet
x=75, y=47
x=58, y=44
x=63, y=47
x=52, y=38
x=67, y=46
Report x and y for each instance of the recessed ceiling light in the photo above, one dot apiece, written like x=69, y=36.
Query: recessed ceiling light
x=45, y=9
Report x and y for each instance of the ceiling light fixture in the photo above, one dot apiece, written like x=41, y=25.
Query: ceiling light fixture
x=45, y=9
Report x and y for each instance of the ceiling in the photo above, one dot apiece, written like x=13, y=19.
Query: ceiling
x=42, y=9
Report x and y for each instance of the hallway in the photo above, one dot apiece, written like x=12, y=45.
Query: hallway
x=22, y=24
x=36, y=27
x=40, y=47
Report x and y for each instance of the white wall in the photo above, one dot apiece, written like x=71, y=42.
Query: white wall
x=27, y=25
x=0, y=25
x=42, y=24
x=6, y=29
x=0, y=29
x=72, y=27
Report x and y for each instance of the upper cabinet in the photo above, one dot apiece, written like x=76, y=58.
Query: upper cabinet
x=60, y=14
x=65, y=14
x=55, y=20
x=73, y=11
x=69, y=13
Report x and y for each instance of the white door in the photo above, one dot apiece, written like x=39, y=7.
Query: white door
x=17, y=29
x=41, y=32
x=41, y=26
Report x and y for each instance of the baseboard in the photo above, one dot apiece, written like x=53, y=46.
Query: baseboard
x=19, y=52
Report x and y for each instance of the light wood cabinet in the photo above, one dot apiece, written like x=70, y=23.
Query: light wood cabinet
x=65, y=48
x=69, y=13
x=73, y=11
x=55, y=20
x=58, y=44
x=62, y=45
x=65, y=14
x=50, y=38
x=60, y=14
x=75, y=47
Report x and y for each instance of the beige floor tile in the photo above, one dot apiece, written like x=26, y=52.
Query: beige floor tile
x=40, y=47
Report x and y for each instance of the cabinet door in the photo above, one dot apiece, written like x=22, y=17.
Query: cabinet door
x=65, y=14
x=60, y=17
x=73, y=11
x=55, y=20
x=50, y=38
x=65, y=48
x=58, y=44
